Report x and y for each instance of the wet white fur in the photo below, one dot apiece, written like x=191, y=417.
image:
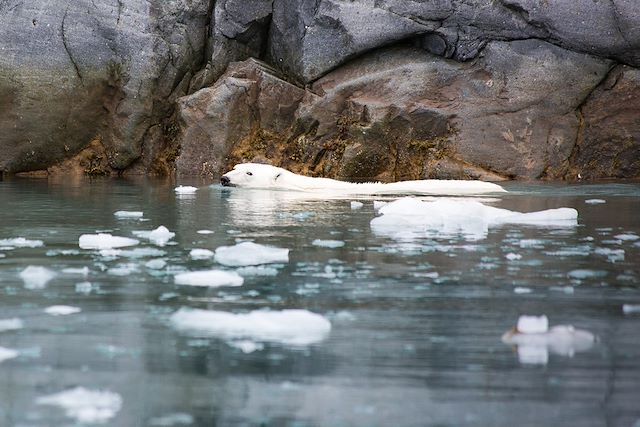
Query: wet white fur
x=260, y=176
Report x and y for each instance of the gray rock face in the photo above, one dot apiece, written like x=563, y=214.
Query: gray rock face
x=73, y=72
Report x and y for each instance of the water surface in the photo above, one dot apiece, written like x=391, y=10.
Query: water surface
x=416, y=323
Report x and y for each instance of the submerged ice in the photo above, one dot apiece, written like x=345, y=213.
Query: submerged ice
x=250, y=253
x=409, y=217
x=84, y=405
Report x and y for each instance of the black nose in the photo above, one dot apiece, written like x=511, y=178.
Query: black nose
x=225, y=180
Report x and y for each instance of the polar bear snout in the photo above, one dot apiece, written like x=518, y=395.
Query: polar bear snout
x=225, y=181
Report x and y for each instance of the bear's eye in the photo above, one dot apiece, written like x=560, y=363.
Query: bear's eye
x=249, y=173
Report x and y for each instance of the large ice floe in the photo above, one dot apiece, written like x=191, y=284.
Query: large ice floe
x=409, y=217
x=290, y=327
x=105, y=241
x=249, y=253
x=209, y=278
x=85, y=406
x=36, y=277
x=534, y=339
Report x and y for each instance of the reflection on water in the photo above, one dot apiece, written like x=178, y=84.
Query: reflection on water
x=416, y=324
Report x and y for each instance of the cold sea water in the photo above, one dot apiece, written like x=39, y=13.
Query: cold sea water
x=396, y=327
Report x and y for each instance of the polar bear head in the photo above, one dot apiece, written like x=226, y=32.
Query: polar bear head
x=254, y=175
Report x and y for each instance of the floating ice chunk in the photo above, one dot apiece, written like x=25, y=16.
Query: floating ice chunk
x=536, y=338
x=210, y=278
x=531, y=243
x=123, y=269
x=512, y=257
x=160, y=236
x=62, y=310
x=356, y=205
x=627, y=308
x=84, y=271
x=328, y=243
x=257, y=271
x=521, y=290
x=185, y=189
x=595, y=201
x=532, y=324
x=566, y=289
x=156, y=264
x=170, y=420
x=10, y=324
x=582, y=274
x=246, y=346
x=201, y=254
x=36, y=277
x=128, y=214
x=454, y=217
x=627, y=237
x=291, y=327
x=105, y=241
x=21, y=242
x=249, y=253
x=85, y=406
x=612, y=255
x=204, y=232
x=7, y=353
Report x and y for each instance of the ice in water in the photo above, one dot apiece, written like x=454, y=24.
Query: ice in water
x=62, y=310
x=36, y=277
x=328, y=243
x=7, y=353
x=159, y=236
x=595, y=201
x=128, y=214
x=356, y=205
x=292, y=327
x=627, y=308
x=258, y=270
x=210, y=278
x=11, y=324
x=250, y=253
x=172, y=420
x=581, y=274
x=84, y=405
x=105, y=241
x=201, y=254
x=185, y=189
x=20, y=242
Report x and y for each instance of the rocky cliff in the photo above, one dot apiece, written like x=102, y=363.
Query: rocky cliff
x=354, y=89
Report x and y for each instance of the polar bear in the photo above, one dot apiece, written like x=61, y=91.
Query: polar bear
x=261, y=176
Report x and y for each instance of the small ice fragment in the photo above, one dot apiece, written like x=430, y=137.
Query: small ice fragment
x=10, y=324
x=123, y=269
x=84, y=271
x=356, y=205
x=328, y=243
x=533, y=355
x=531, y=243
x=105, y=241
x=7, y=353
x=291, y=327
x=62, y=310
x=185, y=189
x=110, y=253
x=161, y=236
x=21, y=242
x=257, y=271
x=582, y=274
x=612, y=255
x=84, y=288
x=36, y=277
x=211, y=278
x=85, y=406
x=595, y=201
x=127, y=214
x=522, y=290
x=155, y=264
x=532, y=324
x=201, y=254
x=627, y=237
x=512, y=257
x=170, y=420
x=566, y=289
x=246, y=346
x=631, y=308
x=249, y=253
x=204, y=232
